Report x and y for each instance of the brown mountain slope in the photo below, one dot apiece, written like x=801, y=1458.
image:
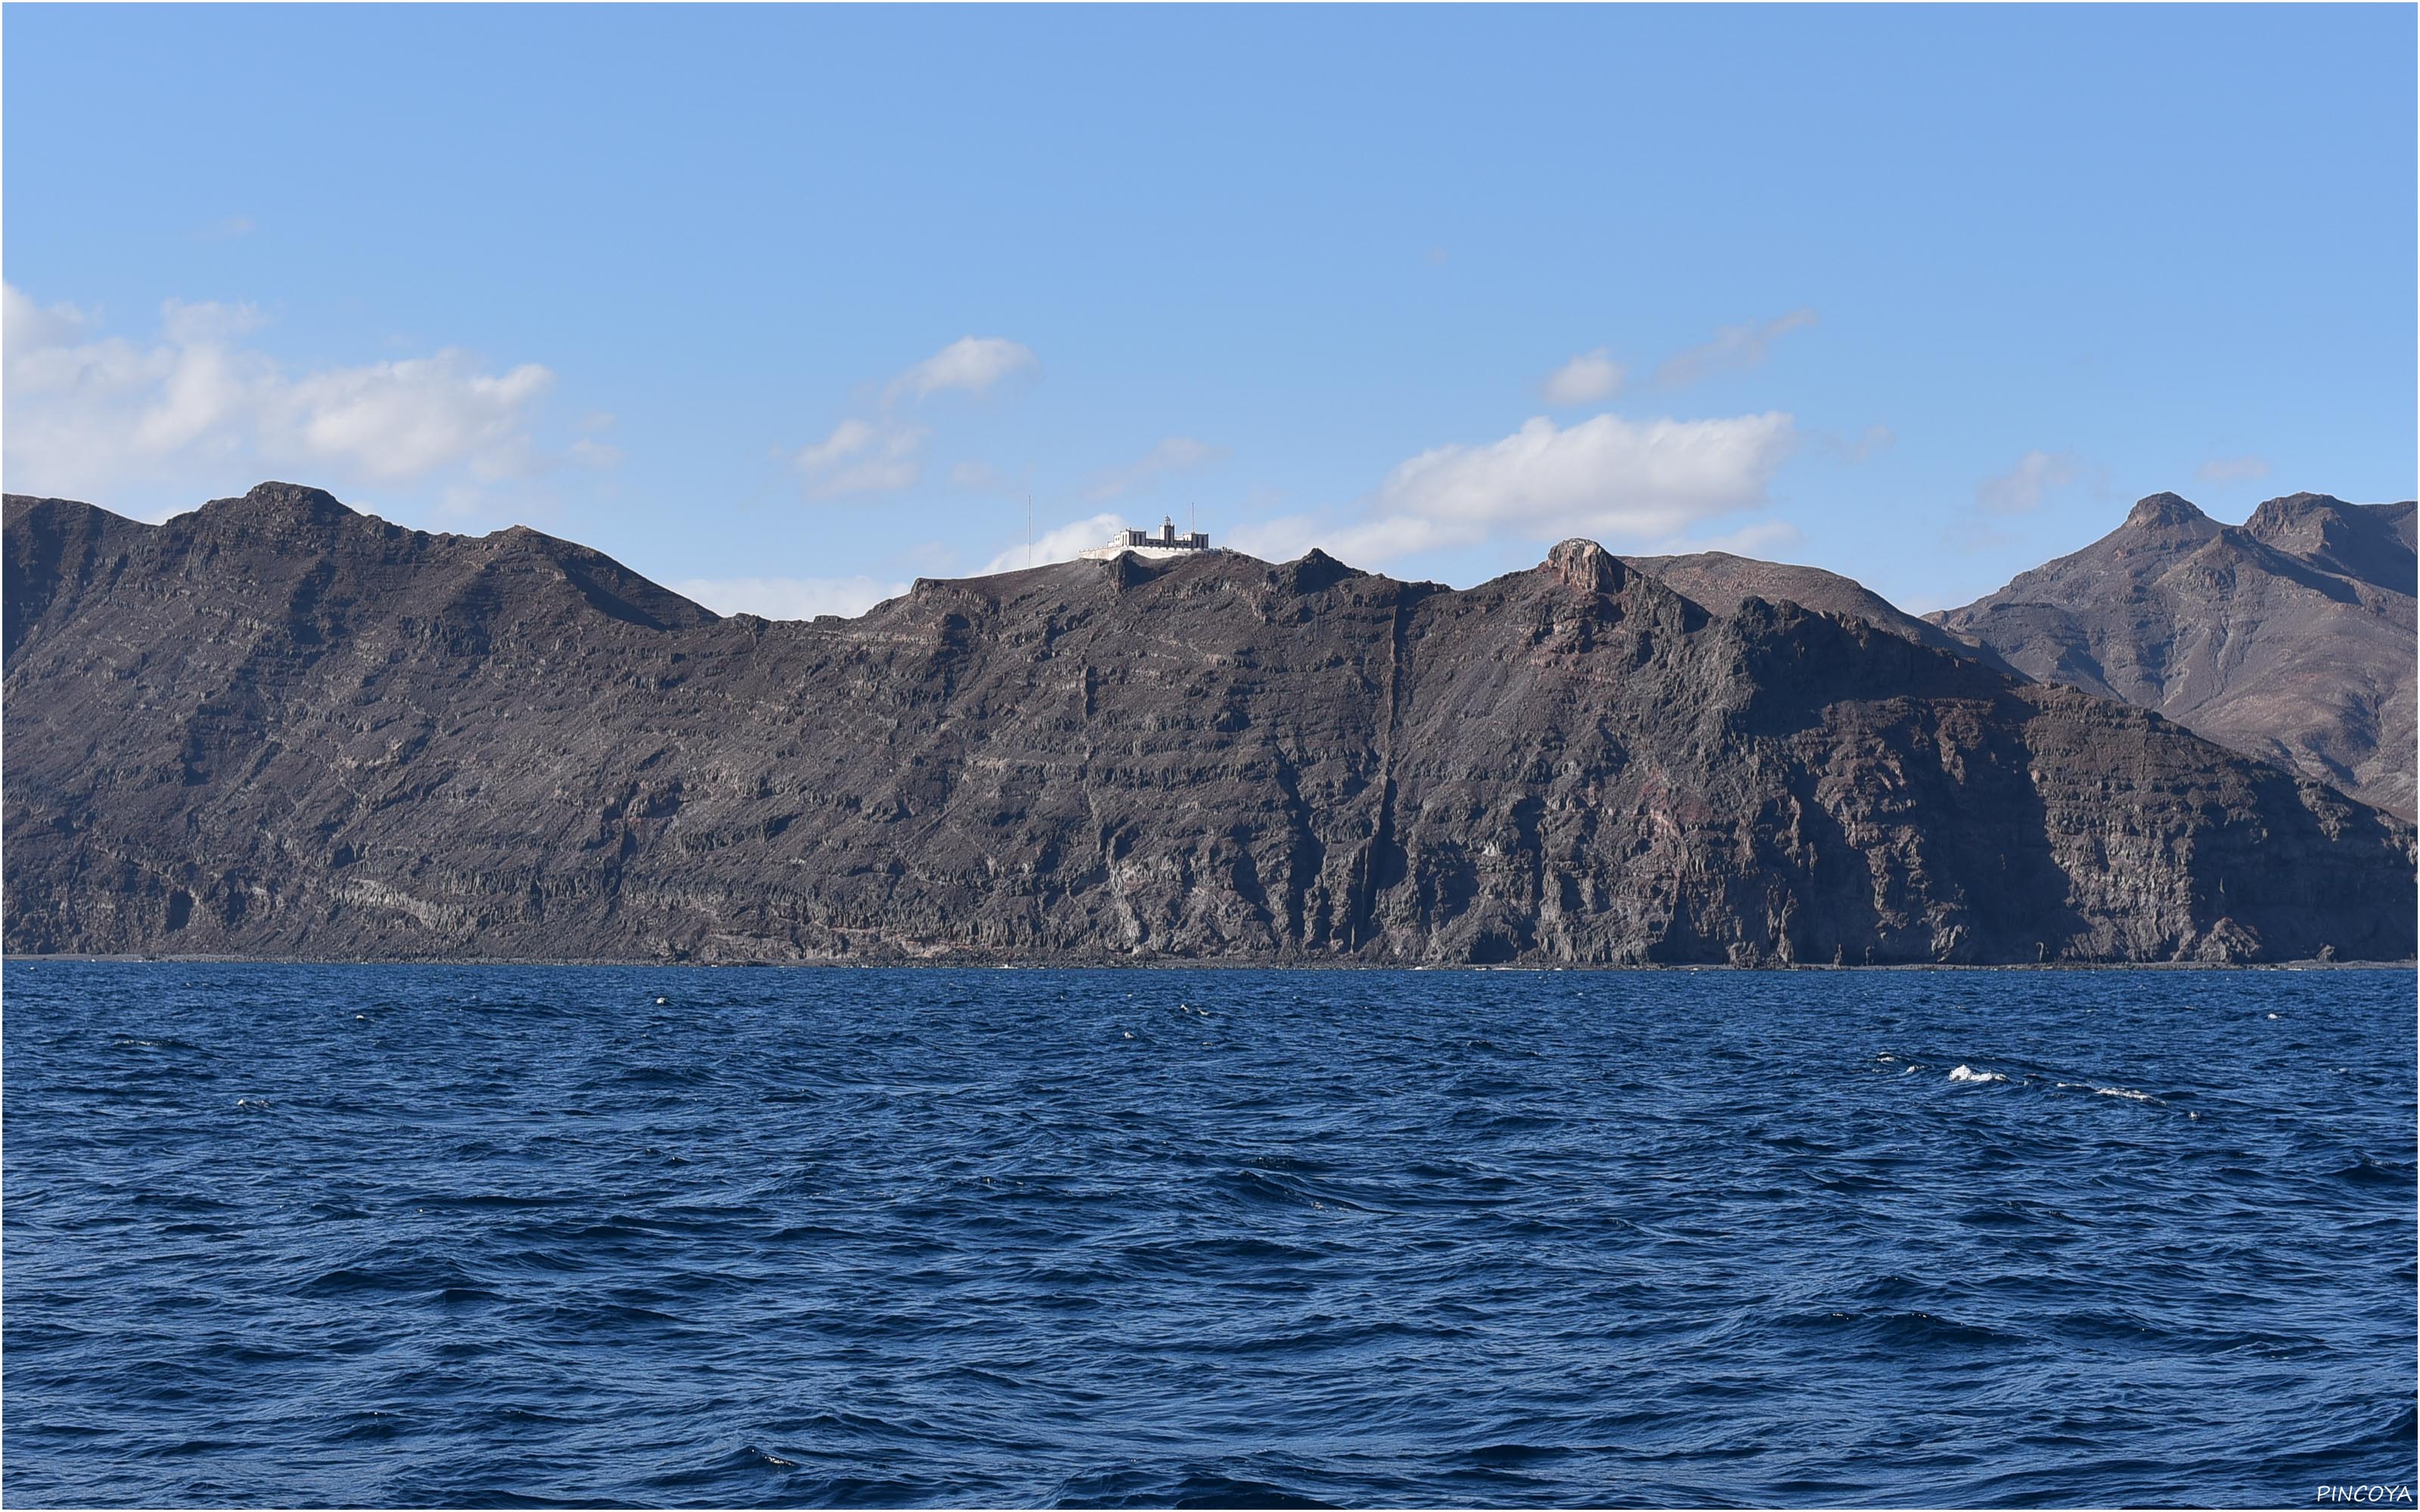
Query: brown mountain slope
x=1721, y=581
x=2291, y=637
x=277, y=727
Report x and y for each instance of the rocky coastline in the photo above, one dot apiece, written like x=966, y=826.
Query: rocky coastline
x=275, y=727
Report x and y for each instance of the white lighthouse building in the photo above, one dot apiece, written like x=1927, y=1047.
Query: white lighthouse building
x=1160, y=548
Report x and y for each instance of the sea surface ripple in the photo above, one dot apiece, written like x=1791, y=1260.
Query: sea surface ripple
x=502, y=1236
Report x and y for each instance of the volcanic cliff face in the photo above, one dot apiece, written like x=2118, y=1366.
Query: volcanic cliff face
x=2291, y=637
x=277, y=727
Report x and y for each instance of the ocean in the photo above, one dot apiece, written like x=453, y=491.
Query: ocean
x=402, y=1236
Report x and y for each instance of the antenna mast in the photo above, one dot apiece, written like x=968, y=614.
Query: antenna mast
x=1029, y=529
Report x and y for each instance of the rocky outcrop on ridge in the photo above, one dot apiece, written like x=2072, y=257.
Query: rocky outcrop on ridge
x=1722, y=581
x=2291, y=637
x=277, y=727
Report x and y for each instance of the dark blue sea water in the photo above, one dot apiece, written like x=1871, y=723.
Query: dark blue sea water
x=484, y=1235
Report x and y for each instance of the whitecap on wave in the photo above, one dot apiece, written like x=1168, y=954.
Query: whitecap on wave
x=2126, y=1093
x=1968, y=1074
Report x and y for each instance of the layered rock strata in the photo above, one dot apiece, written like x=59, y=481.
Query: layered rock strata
x=274, y=727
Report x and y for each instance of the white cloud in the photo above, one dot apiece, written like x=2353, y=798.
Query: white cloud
x=1364, y=542
x=1584, y=380
x=2233, y=469
x=396, y=420
x=589, y=449
x=1602, y=476
x=883, y=455
x=848, y=439
x=1280, y=539
x=87, y=415
x=1060, y=544
x=1607, y=477
x=26, y=328
x=1734, y=348
x=860, y=456
x=788, y=598
x=2021, y=488
x=186, y=325
x=1175, y=454
x=971, y=363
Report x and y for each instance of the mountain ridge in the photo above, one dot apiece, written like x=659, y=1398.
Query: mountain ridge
x=1720, y=580
x=277, y=728
x=2290, y=637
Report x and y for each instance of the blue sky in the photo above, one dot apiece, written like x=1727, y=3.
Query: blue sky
x=792, y=305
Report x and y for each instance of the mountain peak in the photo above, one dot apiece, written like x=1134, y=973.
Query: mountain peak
x=285, y=512
x=2368, y=542
x=2287, y=637
x=2277, y=518
x=294, y=498
x=1587, y=566
x=436, y=746
x=1317, y=570
x=2166, y=511
x=2303, y=501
